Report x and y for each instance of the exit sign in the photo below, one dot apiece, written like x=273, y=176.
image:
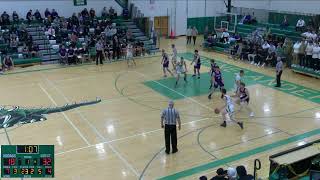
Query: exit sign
x=80, y=2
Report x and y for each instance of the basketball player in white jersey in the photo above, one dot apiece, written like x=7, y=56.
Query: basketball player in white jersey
x=129, y=54
x=237, y=80
x=228, y=109
x=174, y=57
x=181, y=68
x=243, y=98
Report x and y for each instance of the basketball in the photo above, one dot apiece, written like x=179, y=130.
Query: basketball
x=216, y=110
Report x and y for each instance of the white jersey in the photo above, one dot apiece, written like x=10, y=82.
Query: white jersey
x=174, y=54
x=237, y=78
x=229, y=104
x=180, y=67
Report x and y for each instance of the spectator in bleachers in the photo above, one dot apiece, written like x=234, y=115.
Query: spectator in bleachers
x=104, y=12
x=315, y=64
x=265, y=46
x=125, y=13
x=194, y=34
x=74, y=20
x=116, y=47
x=270, y=60
x=34, y=49
x=7, y=63
x=288, y=51
x=225, y=36
x=242, y=173
x=203, y=178
x=37, y=15
x=25, y=51
x=221, y=175
x=253, y=54
x=47, y=13
x=247, y=19
x=308, y=52
x=71, y=55
x=302, y=50
x=295, y=54
x=112, y=13
x=129, y=35
x=314, y=35
x=5, y=18
x=234, y=50
x=279, y=51
x=85, y=13
x=15, y=16
x=232, y=173
x=272, y=48
x=300, y=26
x=98, y=31
x=284, y=23
x=29, y=16
x=307, y=35
x=14, y=44
x=92, y=13
x=54, y=14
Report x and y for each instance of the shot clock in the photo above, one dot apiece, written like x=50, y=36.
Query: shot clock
x=27, y=161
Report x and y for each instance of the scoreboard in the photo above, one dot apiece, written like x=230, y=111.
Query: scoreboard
x=27, y=161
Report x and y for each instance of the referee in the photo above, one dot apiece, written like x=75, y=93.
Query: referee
x=169, y=118
x=99, y=49
x=279, y=68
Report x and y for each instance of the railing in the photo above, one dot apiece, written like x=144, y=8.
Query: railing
x=257, y=167
x=123, y=3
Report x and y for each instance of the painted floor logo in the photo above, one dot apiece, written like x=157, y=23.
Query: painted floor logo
x=197, y=88
x=16, y=115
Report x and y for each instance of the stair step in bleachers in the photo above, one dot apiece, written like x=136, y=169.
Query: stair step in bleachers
x=142, y=38
x=52, y=57
x=38, y=33
x=41, y=42
x=135, y=30
x=44, y=46
x=137, y=34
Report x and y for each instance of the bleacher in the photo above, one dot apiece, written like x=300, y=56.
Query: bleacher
x=244, y=30
x=48, y=49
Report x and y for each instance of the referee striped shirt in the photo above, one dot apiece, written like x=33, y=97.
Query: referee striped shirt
x=170, y=116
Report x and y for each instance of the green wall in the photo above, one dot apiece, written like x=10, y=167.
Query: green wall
x=277, y=18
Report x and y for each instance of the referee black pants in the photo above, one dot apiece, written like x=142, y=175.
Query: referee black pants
x=99, y=56
x=279, y=79
x=170, y=133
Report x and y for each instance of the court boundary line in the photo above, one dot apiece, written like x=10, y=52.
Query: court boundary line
x=79, y=65
x=94, y=129
x=64, y=115
x=128, y=137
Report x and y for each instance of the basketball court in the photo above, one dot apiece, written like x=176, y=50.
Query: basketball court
x=121, y=137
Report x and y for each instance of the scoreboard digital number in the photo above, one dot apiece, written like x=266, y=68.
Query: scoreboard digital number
x=27, y=161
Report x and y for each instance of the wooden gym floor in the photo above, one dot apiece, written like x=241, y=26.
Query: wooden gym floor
x=121, y=138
